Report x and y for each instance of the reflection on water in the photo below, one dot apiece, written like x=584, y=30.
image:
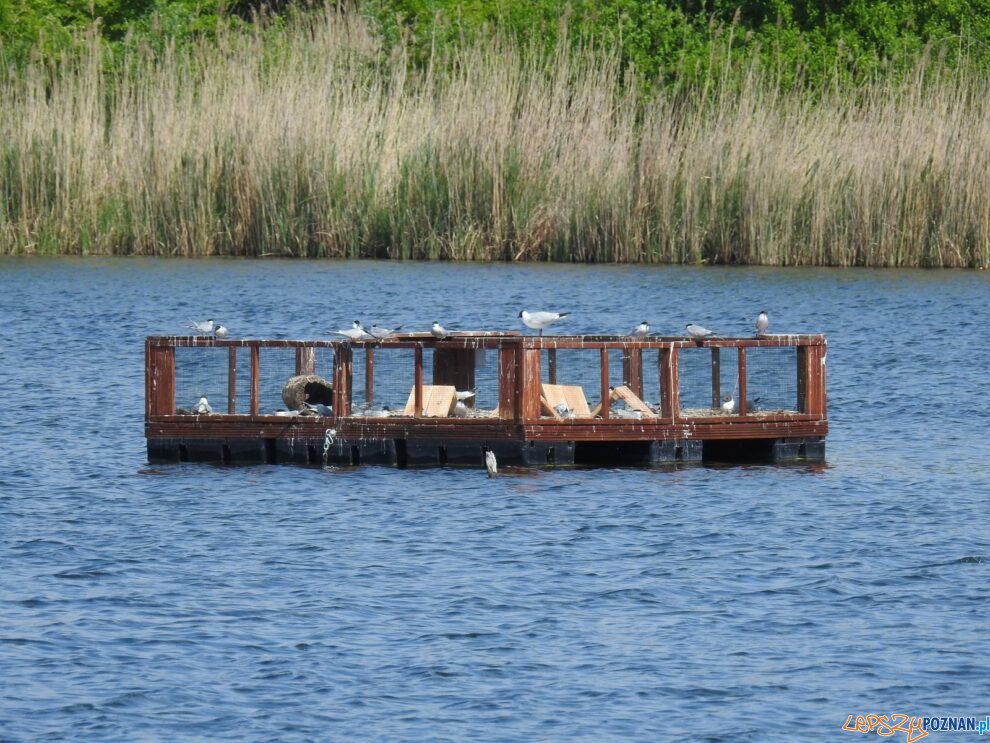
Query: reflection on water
x=295, y=603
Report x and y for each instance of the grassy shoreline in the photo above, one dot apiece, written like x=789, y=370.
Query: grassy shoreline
x=315, y=142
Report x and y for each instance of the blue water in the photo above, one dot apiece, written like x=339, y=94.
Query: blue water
x=193, y=602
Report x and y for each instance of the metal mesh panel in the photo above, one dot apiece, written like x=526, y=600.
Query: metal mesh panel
x=486, y=380
x=276, y=366
x=200, y=372
x=695, y=374
x=393, y=378
x=771, y=380
x=579, y=367
x=652, y=393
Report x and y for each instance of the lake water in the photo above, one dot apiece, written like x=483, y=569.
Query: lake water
x=194, y=602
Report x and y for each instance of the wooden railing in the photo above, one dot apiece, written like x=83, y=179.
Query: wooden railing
x=519, y=370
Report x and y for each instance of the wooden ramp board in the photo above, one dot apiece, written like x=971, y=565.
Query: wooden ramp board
x=632, y=401
x=571, y=395
x=438, y=401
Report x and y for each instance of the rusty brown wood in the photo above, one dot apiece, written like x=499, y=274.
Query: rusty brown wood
x=369, y=375
x=802, y=379
x=305, y=360
x=418, y=391
x=632, y=369
x=508, y=390
x=148, y=371
x=232, y=380
x=669, y=394
x=552, y=365
x=255, y=379
x=455, y=366
x=815, y=381
x=716, y=378
x=529, y=382
x=606, y=391
x=741, y=404
x=342, y=386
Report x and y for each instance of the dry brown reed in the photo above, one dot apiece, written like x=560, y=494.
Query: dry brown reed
x=315, y=142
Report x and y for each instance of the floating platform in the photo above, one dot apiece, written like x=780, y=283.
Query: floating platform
x=537, y=401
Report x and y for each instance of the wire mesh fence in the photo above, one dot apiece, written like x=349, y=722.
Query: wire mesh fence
x=771, y=380
x=200, y=373
x=708, y=381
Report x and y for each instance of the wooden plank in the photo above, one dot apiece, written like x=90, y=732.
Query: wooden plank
x=437, y=402
x=255, y=379
x=815, y=384
x=232, y=380
x=305, y=360
x=605, y=391
x=632, y=370
x=632, y=401
x=418, y=383
x=552, y=365
x=162, y=383
x=669, y=394
x=508, y=392
x=369, y=375
x=342, y=362
x=571, y=395
x=802, y=378
x=741, y=402
x=529, y=383
x=716, y=378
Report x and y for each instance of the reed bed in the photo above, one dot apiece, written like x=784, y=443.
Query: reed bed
x=316, y=141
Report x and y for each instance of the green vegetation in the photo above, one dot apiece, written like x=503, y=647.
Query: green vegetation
x=503, y=131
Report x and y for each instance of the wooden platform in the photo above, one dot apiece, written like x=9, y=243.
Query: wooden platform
x=609, y=418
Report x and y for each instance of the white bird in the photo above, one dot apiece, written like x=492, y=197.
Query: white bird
x=461, y=410
x=319, y=408
x=728, y=404
x=382, y=412
x=202, y=327
x=356, y=332
x=220, y=331
x=465, y=395
x=762, y=322
x=438, y=330
x=698, y=333
x=563, y=411
x=626, y=413
x=640, y=331
x=490, y=464
x=539, y=320
x=203, y=407
x=382, y=333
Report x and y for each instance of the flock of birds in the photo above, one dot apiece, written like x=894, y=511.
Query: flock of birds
x=534, y=320
x=538, y=321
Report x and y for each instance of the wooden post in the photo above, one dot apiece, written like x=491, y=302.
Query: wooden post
x=418, y=389
x=255, y=381
x=530, y=384
x=552, y=365
x=232, y=380
x=669, y=394
x=606, y=392
x=716, y=378
x=814, y=371
x=342, y=380
x=508, y=397
x=802, y=378
x=305, y=360
x=632, y=369
x=369, y=375
x=160, y=376
x=741, y=404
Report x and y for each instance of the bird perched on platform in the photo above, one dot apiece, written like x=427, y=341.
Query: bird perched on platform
x=461, y=410
x=728, y=404
x=539, y=320
x=318, y=408
x=627, y=413
x=438, y=331
x=490, y=464
x=220, y=331
x=356, y=332
x=465, y=395
x=640, y=331
x=203, y=328
x=563, y=411
x=762, y=322
x=382, y=333
x=202, y=407
x=699, y=333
